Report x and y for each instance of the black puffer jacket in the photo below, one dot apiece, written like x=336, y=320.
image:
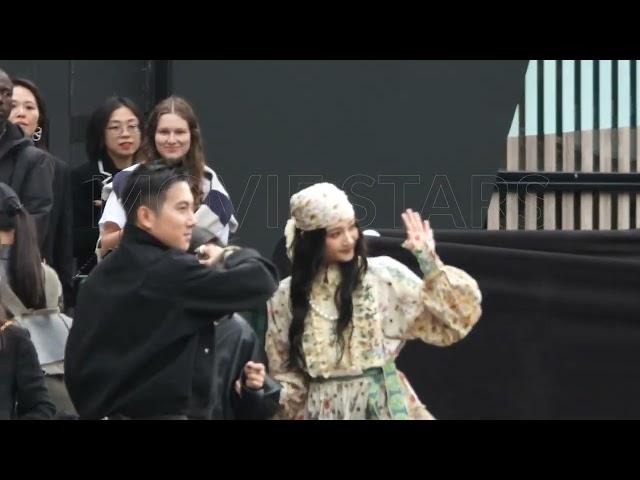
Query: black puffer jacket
x=29, y=171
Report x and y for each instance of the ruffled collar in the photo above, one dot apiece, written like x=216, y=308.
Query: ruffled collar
x=364, y=337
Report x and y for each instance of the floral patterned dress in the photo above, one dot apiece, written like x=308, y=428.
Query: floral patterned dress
x=391, y=306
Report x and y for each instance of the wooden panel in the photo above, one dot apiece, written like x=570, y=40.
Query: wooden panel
x=568, y=138
x=513, y=152
x=586, y=140
x=568, y=165
x=550, y=139
x=624, y=139
x=586, y=198
x=605, y=125
x=531, y=140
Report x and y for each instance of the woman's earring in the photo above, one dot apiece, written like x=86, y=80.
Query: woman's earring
x=37, y=135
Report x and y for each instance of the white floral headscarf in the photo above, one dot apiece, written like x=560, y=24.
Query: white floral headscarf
x=318, y=206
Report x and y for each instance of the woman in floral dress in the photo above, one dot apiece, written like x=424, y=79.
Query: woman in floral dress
x=337, y=324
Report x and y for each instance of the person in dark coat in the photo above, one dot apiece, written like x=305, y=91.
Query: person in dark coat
x=142, y=341
x=30, y=113
x=23, y=393
x=113, y=138
x=25, y=168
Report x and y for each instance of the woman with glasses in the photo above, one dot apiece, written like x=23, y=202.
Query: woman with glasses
x=112, y=142
x=173, y=136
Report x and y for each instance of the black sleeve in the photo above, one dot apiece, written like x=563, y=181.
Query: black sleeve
x=37, y=194
x=85, y=213
x=257, y=404
x=280, y=258
x=246, y=281
x=32, y=396
x=63, y=255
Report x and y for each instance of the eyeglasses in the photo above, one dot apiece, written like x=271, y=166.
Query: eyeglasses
x=118, y=129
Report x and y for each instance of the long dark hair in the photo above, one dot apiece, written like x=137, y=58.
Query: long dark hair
x=194, y=160
x=43, y=118
x=307, y=263
x=26, y=277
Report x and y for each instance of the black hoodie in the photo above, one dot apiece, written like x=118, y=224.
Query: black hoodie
x=29, y=172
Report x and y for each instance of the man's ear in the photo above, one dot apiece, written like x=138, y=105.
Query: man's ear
x=146, y=217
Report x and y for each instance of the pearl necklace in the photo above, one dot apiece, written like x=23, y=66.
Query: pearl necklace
x=321, y=312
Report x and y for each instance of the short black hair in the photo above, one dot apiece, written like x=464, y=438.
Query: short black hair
x=148, y=185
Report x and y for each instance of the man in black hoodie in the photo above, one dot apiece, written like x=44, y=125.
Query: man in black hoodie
x=143, y=338
x=25, y=168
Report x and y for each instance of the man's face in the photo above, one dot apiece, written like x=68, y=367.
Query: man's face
x=6, y=94
x=173, y=223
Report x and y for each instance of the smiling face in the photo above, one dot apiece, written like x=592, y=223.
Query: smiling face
x=122, y=134
x=172, y=137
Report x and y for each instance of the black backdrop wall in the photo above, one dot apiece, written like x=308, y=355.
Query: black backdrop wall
x=559, y=333
x=393, y=133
